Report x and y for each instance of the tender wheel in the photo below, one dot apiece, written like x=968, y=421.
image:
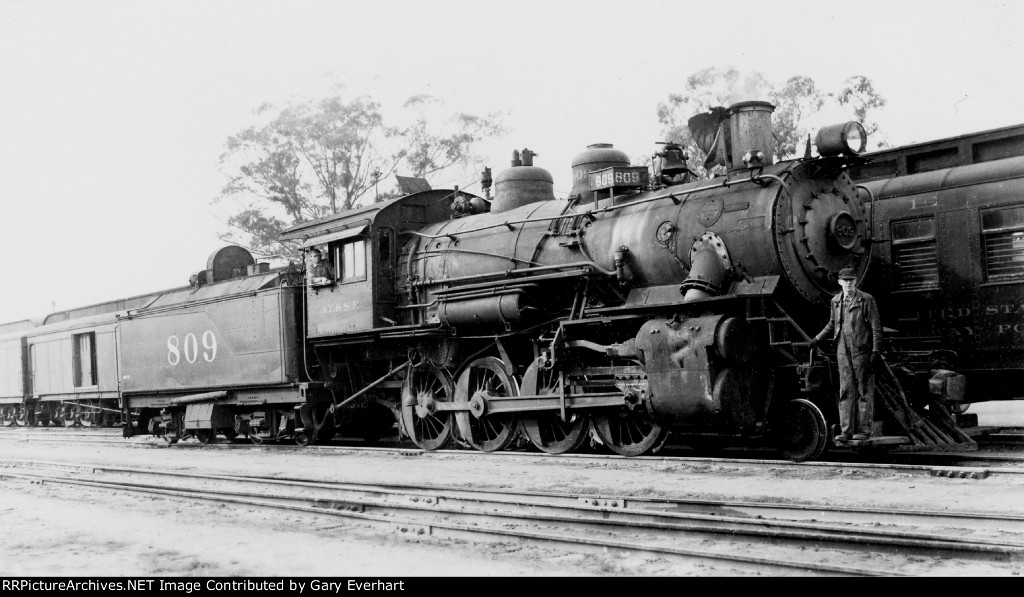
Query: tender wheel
x=69, y=415
x=206, y=436
x=800, y=430
x=305, y=437
x=87, y=418
x=175, y=429
x=629, y=432
x=327, y=430
x=547, y=430
x=378, y=421
x=484, y=432
x=424, y=387
x=7, y=416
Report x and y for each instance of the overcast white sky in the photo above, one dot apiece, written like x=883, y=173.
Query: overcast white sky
x=113, y=113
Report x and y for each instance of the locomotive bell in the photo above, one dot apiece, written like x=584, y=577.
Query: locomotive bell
x=522, y=184
x=670, y=163
x=598, y=156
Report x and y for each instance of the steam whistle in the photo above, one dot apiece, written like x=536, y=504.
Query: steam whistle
x=485, y=183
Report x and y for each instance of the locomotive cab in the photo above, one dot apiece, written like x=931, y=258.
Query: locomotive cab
x=355, y=291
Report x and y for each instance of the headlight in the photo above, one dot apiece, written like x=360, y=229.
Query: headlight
x=848, y=139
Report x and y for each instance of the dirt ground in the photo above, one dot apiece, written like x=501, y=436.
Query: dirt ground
x=56, y=531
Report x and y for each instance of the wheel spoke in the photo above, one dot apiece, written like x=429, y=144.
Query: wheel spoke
x=546, y=430
x=425, y=385
x=629, y=432
x=489, y=432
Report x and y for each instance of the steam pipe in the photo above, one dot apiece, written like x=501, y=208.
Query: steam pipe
x=707, y=274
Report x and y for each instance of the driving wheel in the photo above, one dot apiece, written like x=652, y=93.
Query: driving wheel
x=546, y=429
x=423, y=389
x=629, y=432
x=481, y=378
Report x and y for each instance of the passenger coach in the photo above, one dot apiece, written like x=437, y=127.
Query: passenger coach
x=948, y=261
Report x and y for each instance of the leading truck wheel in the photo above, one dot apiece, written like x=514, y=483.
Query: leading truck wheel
x=547, y=430
x=800, y=431
x=481, y=378
x=424, y=388
x=629, y=432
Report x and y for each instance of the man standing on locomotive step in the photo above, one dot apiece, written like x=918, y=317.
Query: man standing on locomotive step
x=856, y=330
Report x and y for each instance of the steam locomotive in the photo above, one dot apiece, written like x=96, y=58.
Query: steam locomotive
x=643, y=304
x=639, y=305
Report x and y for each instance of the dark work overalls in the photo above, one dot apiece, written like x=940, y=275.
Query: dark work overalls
x=856, y=376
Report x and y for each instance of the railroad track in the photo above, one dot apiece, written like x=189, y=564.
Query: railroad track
x=802, y=538
x=938, y=464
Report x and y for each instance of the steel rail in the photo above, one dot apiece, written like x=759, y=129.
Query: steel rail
x=635, y=512
x=449, y=529
x=952, y=470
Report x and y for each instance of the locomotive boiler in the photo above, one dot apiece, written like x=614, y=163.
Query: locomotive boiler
x=640, y=304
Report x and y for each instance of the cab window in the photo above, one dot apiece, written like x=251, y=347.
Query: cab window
x=351, y=256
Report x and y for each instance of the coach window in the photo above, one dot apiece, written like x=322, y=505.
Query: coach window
x=352, y=257
x=915, y=255
x=84, y=356
x=1002, y=232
